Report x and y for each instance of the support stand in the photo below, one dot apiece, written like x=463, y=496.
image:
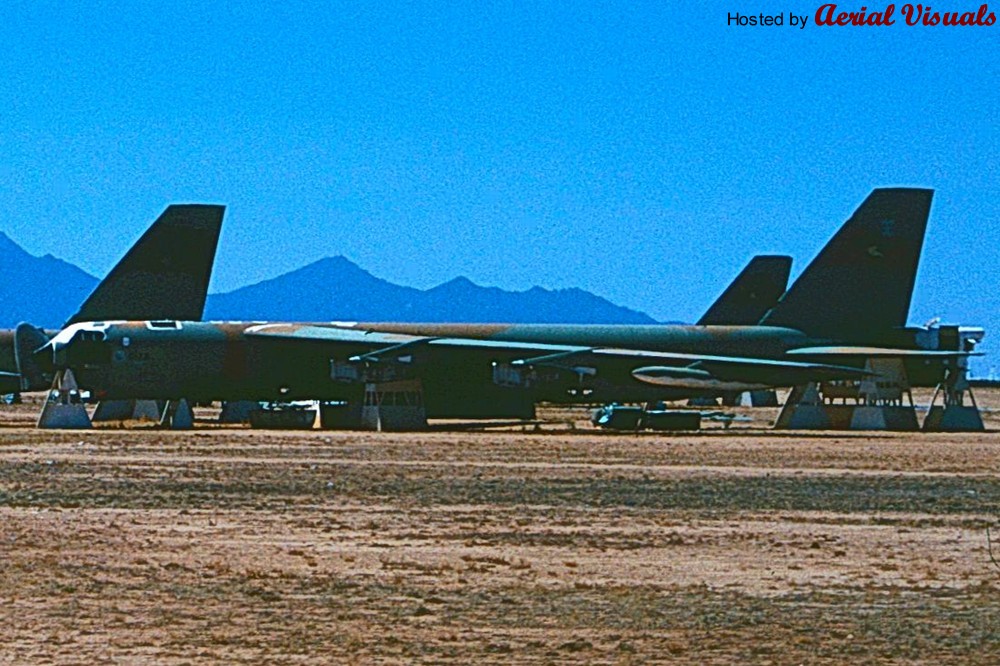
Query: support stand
x=177, y=415
x=126, y=410
x=877, y=402
x=881, y=395
x=954, y=415
x=761, y=398
x=62, y=408
x=394, y=406
x=804, y=409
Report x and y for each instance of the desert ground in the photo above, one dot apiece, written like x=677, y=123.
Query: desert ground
x=544, y=543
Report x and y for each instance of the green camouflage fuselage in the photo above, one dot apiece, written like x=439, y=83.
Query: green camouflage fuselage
x=212, y=361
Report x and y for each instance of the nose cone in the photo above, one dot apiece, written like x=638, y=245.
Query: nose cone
x=76, y=344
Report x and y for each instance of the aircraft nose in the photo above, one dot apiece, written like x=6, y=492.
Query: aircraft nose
x=76, y=347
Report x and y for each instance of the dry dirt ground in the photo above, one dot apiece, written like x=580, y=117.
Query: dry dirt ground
x=511, y=545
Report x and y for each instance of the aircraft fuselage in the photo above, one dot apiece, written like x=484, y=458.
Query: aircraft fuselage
x=210, y=360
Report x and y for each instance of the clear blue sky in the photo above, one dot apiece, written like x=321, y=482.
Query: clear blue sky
x=640, y=150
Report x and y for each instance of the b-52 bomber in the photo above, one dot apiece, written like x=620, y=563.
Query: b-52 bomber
x=850, y=304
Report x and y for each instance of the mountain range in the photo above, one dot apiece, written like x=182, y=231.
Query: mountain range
x=46, y=291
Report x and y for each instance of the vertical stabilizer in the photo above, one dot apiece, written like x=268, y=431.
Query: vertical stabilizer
x=859, y=286
x=166, y=273
x=754, y=291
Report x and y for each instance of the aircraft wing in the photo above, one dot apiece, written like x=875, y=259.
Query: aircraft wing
x=678, y=370
x=339, y=334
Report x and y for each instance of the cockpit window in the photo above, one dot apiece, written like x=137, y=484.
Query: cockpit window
x=163, y=324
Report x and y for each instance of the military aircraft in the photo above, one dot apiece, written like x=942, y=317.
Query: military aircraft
x=850, y=304
x=164, y=275
x=752, y=294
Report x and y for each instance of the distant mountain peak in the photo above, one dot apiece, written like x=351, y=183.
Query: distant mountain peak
x=459, y=283
x=320, y=273
x=331, y=263
x=339, y=261
x=42, y=290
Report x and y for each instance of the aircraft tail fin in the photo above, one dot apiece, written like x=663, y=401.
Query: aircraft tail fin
x=754, y=291
x=166, y=273
x=860, y=284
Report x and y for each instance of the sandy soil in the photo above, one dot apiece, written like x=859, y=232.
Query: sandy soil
x=552, y=543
